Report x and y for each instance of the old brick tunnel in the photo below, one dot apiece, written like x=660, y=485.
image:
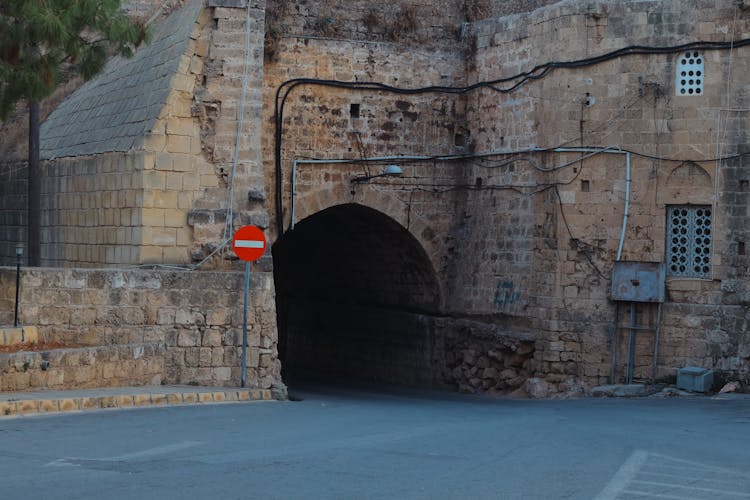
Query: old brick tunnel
x=356, y=298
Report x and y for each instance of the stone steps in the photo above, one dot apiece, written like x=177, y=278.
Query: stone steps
x=36, y=402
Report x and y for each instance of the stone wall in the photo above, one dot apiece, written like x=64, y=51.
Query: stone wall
x=525, y=242
x=522, y=237
x=631, y=103
x=103, y=366
x=191, y=320
x=226, y=114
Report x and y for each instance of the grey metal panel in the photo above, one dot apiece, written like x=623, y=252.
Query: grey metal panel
x=634, y=281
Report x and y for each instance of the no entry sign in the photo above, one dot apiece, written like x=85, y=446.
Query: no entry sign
x=249, y=243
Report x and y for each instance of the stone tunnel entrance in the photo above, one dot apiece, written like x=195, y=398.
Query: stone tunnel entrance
x=356, y=298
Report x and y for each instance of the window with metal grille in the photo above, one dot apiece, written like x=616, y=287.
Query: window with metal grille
x=689, y=236
x=690, y=74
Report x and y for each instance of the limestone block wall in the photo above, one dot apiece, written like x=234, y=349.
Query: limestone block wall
x=632, y=103
x=91, y=211
x=325, y=122
x=192, y=319
x=100, y=366
x=227, y=115
x=177, y=169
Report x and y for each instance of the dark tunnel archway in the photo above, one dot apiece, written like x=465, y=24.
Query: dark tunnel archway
x=356, y=298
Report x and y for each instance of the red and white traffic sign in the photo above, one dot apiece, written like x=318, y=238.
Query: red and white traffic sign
x=249, y=243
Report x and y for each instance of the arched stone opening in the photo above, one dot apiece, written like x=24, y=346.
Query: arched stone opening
x=356, y=298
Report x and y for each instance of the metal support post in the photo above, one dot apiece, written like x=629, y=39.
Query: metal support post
x=244, y=322
x=631, y=353
x=613, y=347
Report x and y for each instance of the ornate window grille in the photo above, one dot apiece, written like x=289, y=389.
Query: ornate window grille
x=689, y=237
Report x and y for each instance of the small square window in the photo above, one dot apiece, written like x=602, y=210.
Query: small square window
x=689, y=237
x=690, y=74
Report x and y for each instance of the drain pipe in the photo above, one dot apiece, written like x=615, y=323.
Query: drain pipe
x=627, y=206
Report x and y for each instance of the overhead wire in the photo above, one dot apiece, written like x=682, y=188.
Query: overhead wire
x=229, y=222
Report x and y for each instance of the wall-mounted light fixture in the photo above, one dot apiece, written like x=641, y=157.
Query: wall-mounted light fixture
x=389, y=171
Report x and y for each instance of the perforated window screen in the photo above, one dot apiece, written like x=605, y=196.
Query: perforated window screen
x=689, y=237
x=690, y=74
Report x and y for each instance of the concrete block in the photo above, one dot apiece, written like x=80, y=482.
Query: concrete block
x=28, y=406
x=8, y=408
x=205, y=397
x=189, y=397
x=30, y=334
x=107, y=402
x=68, y=404
x=174, y=398
x=142, y=399
x=10, y=336
x=158, y=399
x=49, y=405
x=696, y=379
x=88, y=403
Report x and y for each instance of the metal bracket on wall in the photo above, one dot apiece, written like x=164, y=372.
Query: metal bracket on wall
x=636, y=283
x=633, y=328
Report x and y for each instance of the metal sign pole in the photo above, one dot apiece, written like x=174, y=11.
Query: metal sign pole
x=249, y=243
x=244, y=322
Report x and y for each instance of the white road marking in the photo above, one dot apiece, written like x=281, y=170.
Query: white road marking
x=623, y=476
x=652, y=475
x=151, y=452
x=648, y=494
x=697, y=488
x=159, y=450
x=698, y=465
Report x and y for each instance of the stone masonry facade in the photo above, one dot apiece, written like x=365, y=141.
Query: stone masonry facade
x=128, y=327
x=514, y=190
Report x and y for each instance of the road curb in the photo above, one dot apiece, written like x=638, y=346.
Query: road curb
x=35, y=406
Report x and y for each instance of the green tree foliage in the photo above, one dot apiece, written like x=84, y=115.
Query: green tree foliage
x=41, y=39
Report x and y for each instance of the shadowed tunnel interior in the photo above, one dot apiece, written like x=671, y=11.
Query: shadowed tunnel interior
x=356, y=298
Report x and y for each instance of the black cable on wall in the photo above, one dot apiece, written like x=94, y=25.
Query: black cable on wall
x=516, y=81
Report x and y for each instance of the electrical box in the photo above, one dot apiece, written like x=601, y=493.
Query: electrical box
x=634, y=281
x=696, y=379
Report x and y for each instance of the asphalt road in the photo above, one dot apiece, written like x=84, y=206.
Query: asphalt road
x=355, y=444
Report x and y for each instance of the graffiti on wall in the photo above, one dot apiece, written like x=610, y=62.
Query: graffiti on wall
x=506, y=294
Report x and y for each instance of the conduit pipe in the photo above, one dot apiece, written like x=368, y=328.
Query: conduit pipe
x=609, y=150
x=594, y=151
